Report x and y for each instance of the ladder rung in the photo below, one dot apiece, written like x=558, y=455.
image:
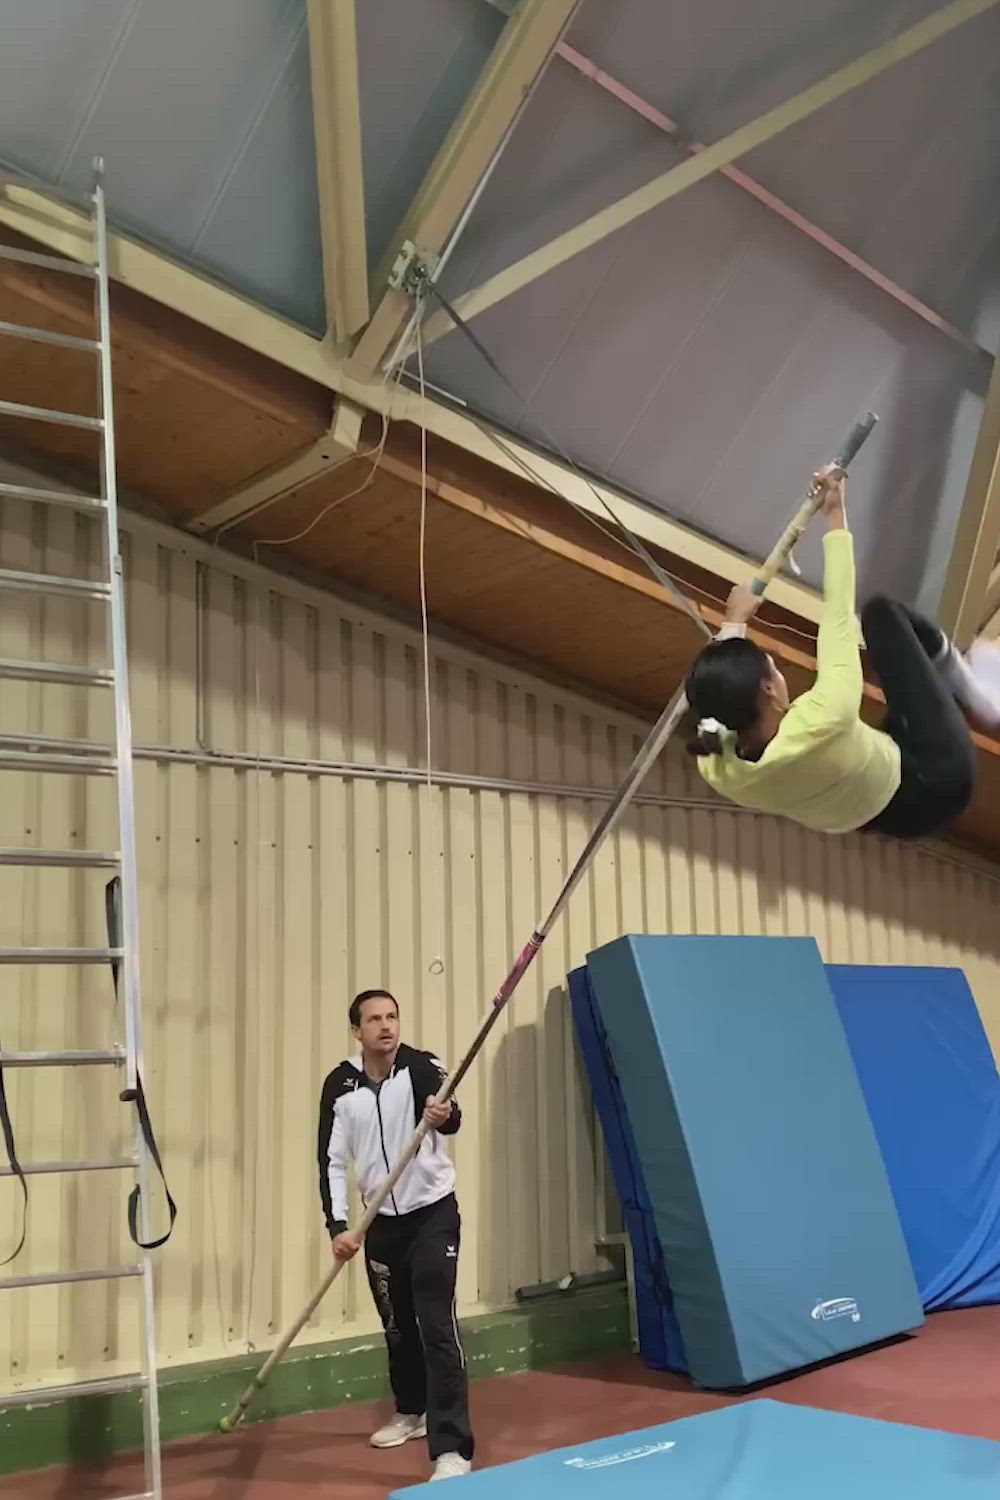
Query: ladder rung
x=43, y=336
x=59, y=955
x=53, y=497
x=55, y=743
x=47, y=1393
x=74, y=765
x=46, y=262
x=51, y=671
x=68, y=1278
x=54, y=1168
x=74, y=1058
x=59, y=859
x=53, y=583
x=46, y=414
x=46, y=752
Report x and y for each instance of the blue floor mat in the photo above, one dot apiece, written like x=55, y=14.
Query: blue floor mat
x=759, y=1450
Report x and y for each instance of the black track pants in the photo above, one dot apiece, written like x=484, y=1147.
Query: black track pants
x=412, y=1263
x=937, y=755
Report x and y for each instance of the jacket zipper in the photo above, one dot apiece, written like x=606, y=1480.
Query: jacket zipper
x=381, y=1136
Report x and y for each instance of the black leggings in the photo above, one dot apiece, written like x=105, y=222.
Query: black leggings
x=937, y=754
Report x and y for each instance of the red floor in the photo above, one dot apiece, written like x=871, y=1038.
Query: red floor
x=947, y=1377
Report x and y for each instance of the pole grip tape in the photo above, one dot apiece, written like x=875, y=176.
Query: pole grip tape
x=858, y=435
x=521, y=963
x=856, y=438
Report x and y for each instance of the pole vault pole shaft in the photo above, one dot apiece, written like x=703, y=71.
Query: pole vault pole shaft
x=646, y=755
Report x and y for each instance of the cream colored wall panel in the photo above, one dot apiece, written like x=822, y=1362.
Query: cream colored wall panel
x=465, y=1007
x=269, y=895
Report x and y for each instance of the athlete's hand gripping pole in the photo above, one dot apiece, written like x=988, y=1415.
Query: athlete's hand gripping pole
x=858, y=435
x=647, y=754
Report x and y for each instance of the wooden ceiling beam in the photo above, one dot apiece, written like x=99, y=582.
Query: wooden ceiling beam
x=230, y=316
x=965, y=597
x=338, y=444
x=991, y=619
x=185, y=347
x=333, y=63
x=555, y=535
x=473, y=143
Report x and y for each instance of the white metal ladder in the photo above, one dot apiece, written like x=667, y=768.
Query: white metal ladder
x=46, y=754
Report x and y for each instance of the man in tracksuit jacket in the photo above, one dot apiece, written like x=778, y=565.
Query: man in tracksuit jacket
x=370, y=1107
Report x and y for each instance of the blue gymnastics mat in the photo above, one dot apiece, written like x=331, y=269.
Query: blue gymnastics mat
x=760, y=1450
x=933, y=1093
x=780, y=1238
x=660, y=1341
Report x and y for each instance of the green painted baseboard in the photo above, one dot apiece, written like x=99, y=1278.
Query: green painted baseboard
x=193, y=1398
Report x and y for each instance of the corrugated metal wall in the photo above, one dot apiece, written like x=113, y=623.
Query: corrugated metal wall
x=269, y=896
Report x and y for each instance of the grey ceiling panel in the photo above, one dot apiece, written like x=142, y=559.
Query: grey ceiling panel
x=203, y=115
x=417, y=61
x=708, y=356
x=53, y=56
x=630, y=353
x=699, y=416
x=202, y=112
x=263, y=234
x=177, y=103
x=866, y=168
x=532, y=195
x=714, y=64
x=910, y=171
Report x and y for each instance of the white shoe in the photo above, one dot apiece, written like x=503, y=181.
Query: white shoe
x=399, y=1431
x=451, y=1466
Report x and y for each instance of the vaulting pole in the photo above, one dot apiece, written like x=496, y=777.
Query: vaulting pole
x=647, y=754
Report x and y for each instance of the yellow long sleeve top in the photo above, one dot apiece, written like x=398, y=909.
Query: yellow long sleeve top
x=825, y=768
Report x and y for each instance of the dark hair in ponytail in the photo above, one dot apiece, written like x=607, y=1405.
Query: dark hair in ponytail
x=724, y=684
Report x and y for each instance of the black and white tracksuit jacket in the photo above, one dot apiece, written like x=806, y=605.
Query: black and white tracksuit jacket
x=370, y=1124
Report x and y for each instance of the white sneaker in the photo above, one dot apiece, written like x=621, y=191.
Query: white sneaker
x=399, y=1431
x=450, y=1466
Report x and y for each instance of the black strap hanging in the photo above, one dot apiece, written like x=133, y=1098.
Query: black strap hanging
x=136, y=1096
x=8, y=1135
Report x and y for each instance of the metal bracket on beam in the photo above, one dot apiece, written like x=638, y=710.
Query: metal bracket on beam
x=412, y=270
x=340, y=442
